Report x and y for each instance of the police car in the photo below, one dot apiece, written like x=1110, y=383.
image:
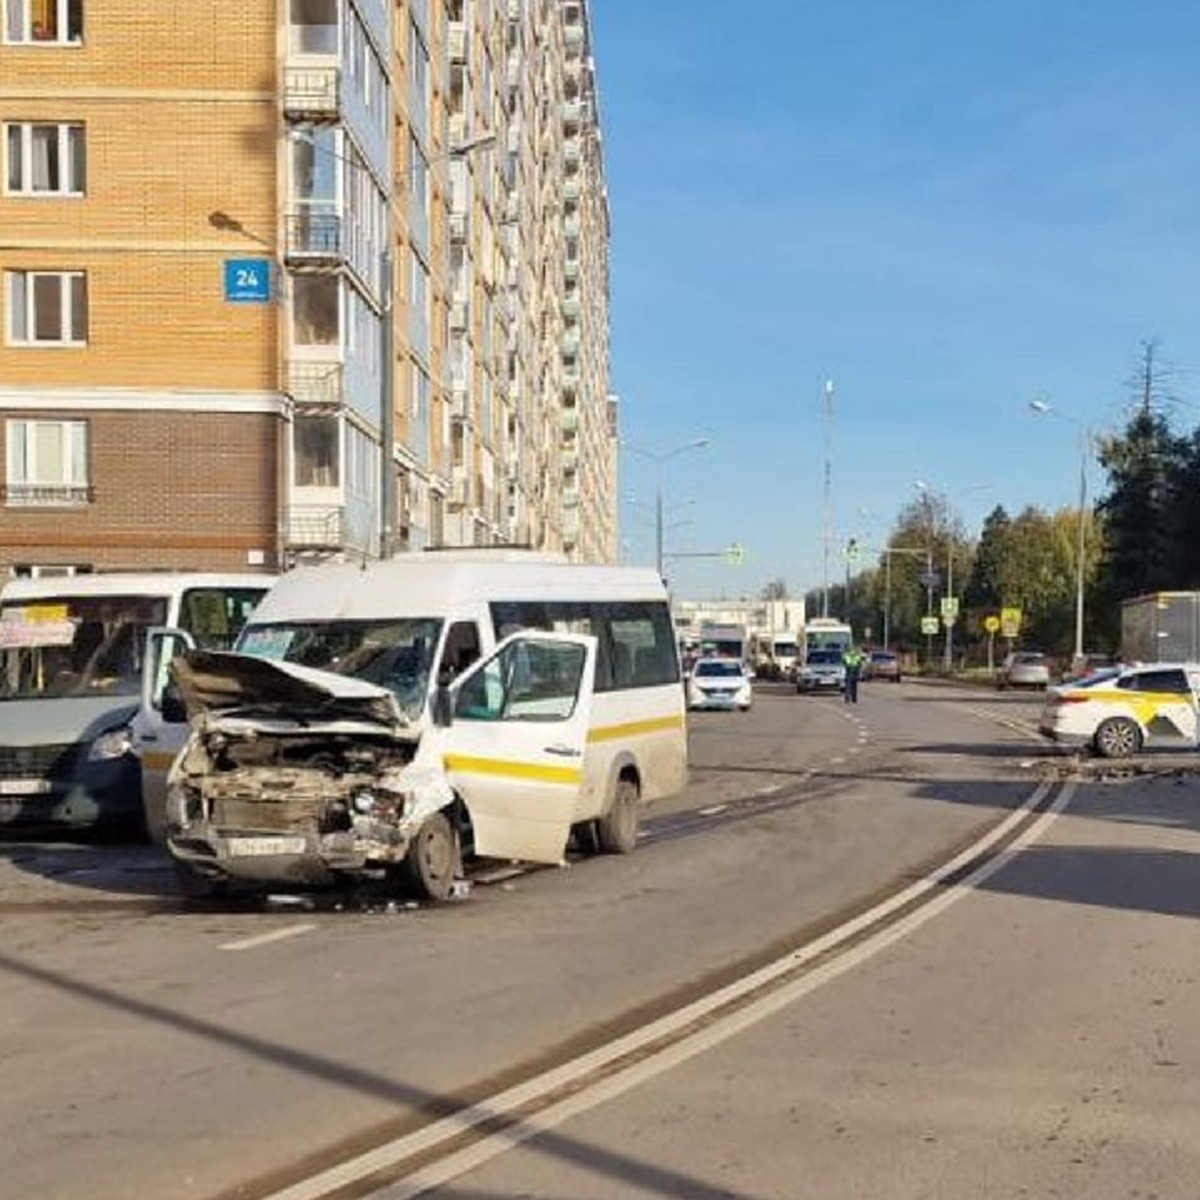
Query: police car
x=1119, y=711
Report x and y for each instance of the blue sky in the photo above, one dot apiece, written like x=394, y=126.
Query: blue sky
x=947, y=207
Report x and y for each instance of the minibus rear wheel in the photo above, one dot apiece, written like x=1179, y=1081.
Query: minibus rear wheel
x=617, y=829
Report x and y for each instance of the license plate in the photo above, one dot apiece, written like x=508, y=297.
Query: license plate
x=24, y=787
x=255, y=847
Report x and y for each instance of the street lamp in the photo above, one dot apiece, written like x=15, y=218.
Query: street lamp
x=387, y=354
x=887, y=552
x=1043, y=408
x=947, y=617
x=659, y=458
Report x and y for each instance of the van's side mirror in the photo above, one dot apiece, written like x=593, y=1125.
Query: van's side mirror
x=443, y=706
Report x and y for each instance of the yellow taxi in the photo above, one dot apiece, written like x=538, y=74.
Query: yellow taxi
x=1119, y=711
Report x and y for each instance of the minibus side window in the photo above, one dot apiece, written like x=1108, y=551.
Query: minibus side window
x=214, y=616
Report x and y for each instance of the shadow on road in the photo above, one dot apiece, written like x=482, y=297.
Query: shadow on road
x=624, y=1170
x=1130, y=879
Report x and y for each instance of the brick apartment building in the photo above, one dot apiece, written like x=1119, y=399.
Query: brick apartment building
x=297, y=280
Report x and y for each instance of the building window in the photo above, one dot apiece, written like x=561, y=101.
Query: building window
x=314, y=26
x=43, y=21
x=48, y=159
x=47, y=462
x=46, y=307
x=315, y=310
x=316, y=451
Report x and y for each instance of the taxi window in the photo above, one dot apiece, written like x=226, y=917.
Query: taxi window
x=1157, y=681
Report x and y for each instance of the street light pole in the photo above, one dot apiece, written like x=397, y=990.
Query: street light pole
x=659, y=458
x=387, y=364
x=1043, y=408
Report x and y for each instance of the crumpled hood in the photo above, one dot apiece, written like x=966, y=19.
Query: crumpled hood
x=221, y=681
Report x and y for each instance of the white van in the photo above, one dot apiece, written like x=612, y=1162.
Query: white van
x=384, y=719
x=71, y=650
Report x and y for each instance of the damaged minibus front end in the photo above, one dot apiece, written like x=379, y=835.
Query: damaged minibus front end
x=296, y=776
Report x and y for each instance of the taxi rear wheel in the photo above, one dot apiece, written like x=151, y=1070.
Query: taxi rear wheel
x=1118, y=737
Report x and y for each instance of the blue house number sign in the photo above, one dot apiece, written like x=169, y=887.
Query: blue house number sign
x=248, y=280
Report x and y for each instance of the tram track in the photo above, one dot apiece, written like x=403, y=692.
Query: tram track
x=466, y=1131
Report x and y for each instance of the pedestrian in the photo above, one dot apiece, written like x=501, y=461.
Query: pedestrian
x=852, y=661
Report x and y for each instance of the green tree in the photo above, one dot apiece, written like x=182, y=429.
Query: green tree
x=983, y=590
x=1147, y=471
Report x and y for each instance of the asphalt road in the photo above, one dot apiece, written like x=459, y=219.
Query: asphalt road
x=1023, y=1025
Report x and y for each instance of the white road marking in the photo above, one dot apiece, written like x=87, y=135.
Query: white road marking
x=265, y=939
x=712, y=810
x=841, y=758
x=769, y=790
x=708, y=1032
x=500, y=874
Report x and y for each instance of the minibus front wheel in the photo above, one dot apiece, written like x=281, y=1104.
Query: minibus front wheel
x=433, y=861
x=617, y=829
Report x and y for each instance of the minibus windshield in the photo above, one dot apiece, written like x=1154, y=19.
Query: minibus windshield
x=396, y=654
x=73, y=646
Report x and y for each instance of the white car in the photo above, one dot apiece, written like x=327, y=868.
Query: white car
x=719, y=683
x=1119, y=711
x=823, y=671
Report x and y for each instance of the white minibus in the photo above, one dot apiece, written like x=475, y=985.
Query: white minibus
x=71, y=650
x=385, y=719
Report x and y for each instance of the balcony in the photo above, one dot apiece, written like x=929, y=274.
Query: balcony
x=456, y=42
x=572, y=112
x=46, y=495
x=457, y=225
x=571, y=268
x=313, y=238
x=572, y=188
x=570, y=341
x=573, y=37
x=316, y=385
x=570, y=307
x=570, y=420
x=316, y=527
x=571, y=224
x=458, y=316
x=312, y=93
x=571, y=148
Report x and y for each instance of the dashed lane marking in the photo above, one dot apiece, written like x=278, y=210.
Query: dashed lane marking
x=265, y=939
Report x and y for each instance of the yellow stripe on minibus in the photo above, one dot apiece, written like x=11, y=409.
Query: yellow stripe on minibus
x=608, y=733
x=511, y=770
x=157, y=760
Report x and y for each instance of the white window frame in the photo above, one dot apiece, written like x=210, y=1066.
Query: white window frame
x=23, y=487
x=67, y=133
x=27, y=299
x=18, y=24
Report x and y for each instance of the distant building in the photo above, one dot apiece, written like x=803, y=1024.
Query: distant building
x=759, y=617
x=317, y=279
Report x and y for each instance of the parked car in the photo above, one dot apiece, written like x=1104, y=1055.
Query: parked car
x=720, y=683
x=882, y=664
x=1024, y=668
x=822, y=671
x=1085, y=665
x=1120, y=710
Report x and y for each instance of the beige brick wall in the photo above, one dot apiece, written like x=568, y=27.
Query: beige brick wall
x=161, y=44
x=175, y=132
x=221, y=503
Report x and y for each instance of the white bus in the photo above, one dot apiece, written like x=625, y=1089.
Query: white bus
x=71, y=650
x=386, y=719
x=827, y=633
